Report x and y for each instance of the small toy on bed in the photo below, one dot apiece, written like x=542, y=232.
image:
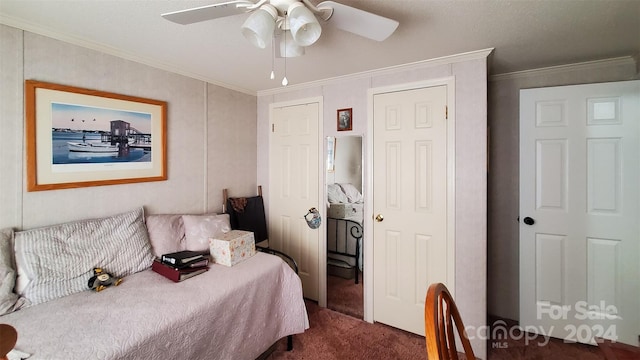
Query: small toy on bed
x=101, y=280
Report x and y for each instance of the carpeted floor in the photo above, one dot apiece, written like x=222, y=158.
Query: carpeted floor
x=342, y=335
x=522, y=346
x=345, y=296
x=336, y=336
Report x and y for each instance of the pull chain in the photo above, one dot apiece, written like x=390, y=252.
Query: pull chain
x=285, y=82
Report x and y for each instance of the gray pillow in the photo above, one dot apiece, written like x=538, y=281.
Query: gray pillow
x=166, y=233
x=9, y=300
x=59, y=260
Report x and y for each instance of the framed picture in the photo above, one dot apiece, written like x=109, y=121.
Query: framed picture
x=344, y=119
x=79, y=137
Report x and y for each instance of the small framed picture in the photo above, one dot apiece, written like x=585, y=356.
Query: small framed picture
x=344, y=120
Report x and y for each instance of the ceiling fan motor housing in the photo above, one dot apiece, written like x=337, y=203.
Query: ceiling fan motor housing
x=283, y=5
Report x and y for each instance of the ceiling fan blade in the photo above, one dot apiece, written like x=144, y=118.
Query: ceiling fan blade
x=359, y=22
x=208, y=12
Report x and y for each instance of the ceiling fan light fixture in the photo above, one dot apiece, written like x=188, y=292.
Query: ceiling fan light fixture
x=294, y=19
x=288, y=47
x=259, y=26
x=303, y=25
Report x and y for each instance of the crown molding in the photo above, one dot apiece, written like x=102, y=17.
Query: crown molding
x=85, y=43
x=552, y=70
x=444, y=60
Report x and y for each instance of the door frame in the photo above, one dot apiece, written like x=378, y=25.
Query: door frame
x=367, y=241
x=322, y=192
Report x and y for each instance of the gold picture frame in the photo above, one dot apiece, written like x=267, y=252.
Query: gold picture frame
x=78, y=137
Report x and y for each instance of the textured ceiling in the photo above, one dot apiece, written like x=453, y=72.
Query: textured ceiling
x=525, y=35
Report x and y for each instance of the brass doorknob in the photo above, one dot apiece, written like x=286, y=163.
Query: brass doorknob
x=379, y=218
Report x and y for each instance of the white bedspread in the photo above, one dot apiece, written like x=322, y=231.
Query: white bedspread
x=226, y=313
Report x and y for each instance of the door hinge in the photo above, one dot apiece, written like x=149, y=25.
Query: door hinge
x=446, y=112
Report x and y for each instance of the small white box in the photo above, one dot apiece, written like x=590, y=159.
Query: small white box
x=232, y=247
x=346, y=211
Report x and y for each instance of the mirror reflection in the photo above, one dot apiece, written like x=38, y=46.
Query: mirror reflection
x=345, y=215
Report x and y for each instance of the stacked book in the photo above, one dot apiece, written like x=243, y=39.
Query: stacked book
x=181, y=265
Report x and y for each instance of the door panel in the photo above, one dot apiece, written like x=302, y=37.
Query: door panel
x=579, y=176
x=294, y=188
x=410, y=193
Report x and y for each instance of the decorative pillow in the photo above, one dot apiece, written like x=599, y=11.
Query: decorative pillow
x=9, y=301
x=199, y=228
x=59, y=260
x=353, y=195
x=166, y=233
x=335, y=194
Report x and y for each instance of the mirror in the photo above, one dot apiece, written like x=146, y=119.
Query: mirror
x=344, y=162
x=345, y=216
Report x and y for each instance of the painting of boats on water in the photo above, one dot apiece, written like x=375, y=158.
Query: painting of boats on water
x=78, y=137
x=86, y=134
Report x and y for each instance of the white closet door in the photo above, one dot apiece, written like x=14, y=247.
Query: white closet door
x=410, y=198
x=294, y=187
x=579, y=211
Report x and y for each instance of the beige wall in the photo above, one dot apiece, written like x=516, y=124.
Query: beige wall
x=211, y=140
x=471, y=149
x=503, y=204
x=213, y=137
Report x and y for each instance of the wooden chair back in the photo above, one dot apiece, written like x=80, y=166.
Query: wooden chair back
x=442, y=320
x=8, y=339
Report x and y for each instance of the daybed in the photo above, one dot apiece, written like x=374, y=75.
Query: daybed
x=344, y=227
x=233, y=312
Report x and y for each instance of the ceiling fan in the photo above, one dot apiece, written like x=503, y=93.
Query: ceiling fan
x=294, y=21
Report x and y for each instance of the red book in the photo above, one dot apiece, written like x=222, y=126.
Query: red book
x=175, y=274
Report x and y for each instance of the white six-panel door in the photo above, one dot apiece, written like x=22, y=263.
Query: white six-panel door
x=410, y=197
x=579, y=211
x=294, y=186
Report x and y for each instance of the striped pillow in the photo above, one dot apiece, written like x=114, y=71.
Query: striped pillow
x=9, y=300
x=59, y=260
